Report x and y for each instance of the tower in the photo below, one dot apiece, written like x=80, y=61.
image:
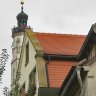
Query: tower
x=17, y=35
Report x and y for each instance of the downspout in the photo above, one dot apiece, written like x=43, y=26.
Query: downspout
x=68, y=84
x=78, y=68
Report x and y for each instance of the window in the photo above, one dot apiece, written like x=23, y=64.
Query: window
x=24, y=21
x=18, y=40
x=23, y=87
x=27, y=54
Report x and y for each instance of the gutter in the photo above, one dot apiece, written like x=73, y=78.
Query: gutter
x=60, y=57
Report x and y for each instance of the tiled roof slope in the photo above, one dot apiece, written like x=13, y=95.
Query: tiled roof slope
x=60, y=43
x=57, y=72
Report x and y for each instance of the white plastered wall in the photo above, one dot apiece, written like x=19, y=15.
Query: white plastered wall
x=25, y=71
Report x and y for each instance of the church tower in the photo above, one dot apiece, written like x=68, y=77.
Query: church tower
x=17, y=35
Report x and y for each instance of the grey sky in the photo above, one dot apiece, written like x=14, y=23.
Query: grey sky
x=56, y=16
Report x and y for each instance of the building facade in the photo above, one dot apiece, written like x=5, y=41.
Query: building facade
x=52, y=64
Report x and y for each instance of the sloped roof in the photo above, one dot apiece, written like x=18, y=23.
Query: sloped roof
x=60, y=43
x=63, y=44
x=57, y=72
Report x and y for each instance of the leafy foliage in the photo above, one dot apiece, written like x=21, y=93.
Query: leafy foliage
x=3, y=60
x=31, y=90
x=32, y=87
x=16, y=88
x=6, y=91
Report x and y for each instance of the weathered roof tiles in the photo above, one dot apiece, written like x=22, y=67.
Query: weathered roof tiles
x=60, y=43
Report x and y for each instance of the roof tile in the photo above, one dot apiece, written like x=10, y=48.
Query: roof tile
x=62, y=43
x=57, y=72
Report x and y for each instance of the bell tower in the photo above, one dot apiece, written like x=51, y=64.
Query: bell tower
x=18, y=35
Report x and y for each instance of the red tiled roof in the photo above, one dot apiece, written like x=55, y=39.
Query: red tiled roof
x=57, y=72
x=60, y=43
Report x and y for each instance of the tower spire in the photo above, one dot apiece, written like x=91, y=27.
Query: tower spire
x=22, y=3
x=22, y=18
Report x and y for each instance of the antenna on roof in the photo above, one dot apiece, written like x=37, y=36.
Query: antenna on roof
x=22, y=2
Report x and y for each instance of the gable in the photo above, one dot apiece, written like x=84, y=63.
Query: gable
x=88, y=44
x=24, y=69
x=38, y=48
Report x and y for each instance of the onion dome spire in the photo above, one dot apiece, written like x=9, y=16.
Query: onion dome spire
x=22, y=17
x=22, y=5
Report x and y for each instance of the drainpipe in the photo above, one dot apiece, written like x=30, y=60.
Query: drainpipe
x=78, y=68
x=82, y=86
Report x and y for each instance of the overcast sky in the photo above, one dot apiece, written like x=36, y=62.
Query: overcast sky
x=56, y=16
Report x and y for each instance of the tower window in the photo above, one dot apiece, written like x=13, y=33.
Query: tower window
x=24, y=21
x=27, y=54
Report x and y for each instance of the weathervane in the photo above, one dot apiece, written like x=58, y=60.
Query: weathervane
x=22, y=2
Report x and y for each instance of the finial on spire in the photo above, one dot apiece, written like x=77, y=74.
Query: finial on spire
x=22, y=2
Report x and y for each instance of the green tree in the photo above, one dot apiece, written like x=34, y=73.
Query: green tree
x=15, y=91
x=3, y=60
x=16, y=88
x=6, y=91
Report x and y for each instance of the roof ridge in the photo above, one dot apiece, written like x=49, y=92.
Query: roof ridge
x=60, y=34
